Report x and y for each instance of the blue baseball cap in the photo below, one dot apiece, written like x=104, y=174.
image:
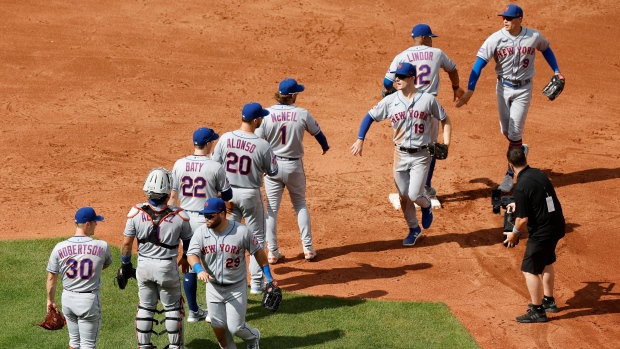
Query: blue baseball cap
x=513, y=11
x=404, y=68
x=204, y=135
x=253, y=111
x=422, y=30
x=87, y=214
x=289, y=86
x=213, y=205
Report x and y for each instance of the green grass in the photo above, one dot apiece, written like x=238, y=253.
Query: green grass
x=301, y=322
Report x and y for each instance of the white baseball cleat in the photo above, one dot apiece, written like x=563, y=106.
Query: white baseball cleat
x=257, y=290
x=254, y=344
x=507, y=184
x=309, y=253
x=195, y=316
x=274, y=256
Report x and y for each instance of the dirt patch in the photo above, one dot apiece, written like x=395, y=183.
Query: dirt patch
x=94, y=95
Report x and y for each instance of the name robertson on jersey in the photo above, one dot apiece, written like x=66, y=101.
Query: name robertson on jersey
x=222, y=248
x=235, y=143
x=284, y=116
x=416, y=114
x=80, y=249
x=507, y=51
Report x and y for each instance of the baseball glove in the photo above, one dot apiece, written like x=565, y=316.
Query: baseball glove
x=124, y=273
x=385, y=92
x=54, y=320
x=272, y=296
x=553, y=88
x=438, y=150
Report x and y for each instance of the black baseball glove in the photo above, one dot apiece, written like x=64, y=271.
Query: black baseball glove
x=385, y=93
x=54, y=320
x=272, y=296
x=438, y=150
x=554, y=88
x=124, y=273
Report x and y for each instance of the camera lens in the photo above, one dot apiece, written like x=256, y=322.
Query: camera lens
x=496, y=209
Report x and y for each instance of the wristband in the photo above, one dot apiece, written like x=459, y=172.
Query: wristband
x=184, y=255
x=125, y=259
x=455, y=87
x=516, y=231
x=198, y=268
x=267, y=273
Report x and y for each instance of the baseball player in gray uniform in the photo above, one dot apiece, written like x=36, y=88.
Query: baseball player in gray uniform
x=217, y=254
x=410, y=112
x=158, y=229
x=284, y=129
x=195, y=178
x=513, y=48
x=428, y=62
x=79, y=260
x=246, y=157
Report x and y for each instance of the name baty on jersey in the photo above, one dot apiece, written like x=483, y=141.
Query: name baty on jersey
x=194, y=166
x=241, y=144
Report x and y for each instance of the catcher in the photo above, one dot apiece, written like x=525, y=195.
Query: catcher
x=410, y=112
x=80, y=261
x=217, y=253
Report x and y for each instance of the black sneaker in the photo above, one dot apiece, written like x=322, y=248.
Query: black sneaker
x=532, y=316
x=550, y=307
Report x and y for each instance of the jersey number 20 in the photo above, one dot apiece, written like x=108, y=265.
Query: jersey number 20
x=236, y=163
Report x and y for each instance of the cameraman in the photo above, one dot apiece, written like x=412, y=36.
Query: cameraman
x=537, y=211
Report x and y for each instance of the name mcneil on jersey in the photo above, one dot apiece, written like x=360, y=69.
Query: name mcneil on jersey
x=284, y=116
x=507, y=51
x=240, y=144
x=223, y=248
x=80, y=249
x=193, y=166
x=416, y=114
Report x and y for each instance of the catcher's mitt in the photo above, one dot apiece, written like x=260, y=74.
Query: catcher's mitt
x=553, y=88
x=386, y=93
x=229, y=207
x=54, y=320
x=438, y=150
x=124, y=273
x=272, y=296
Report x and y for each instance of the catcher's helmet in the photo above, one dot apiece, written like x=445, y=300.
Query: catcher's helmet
x=158, y=183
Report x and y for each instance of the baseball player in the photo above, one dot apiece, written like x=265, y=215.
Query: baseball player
x=428, y=61
x=158, y=229
x=410, y=112
x=246, y=157
x=217, y=254
x=514, y=49
x=79, y=260
x=195, y=178
x=284, y=129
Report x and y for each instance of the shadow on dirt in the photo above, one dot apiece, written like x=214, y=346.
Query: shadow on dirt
x=595, y=298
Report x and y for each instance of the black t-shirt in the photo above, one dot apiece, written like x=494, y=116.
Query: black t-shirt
x=530, y=194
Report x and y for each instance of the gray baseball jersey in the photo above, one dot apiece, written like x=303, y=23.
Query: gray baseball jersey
x=223, y=255
x=514, y=55
x=411, y=121
x=173, y=227
x=79, y=261
x=245, y=157
x=285, y=128
x=428, y=61
x=197, y=178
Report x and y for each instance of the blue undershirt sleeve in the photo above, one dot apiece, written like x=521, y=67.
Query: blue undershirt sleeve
x=388, y=84
x=475, y=73
x=365, y=126
x=320, y=137
x=550, y=58
x=227, y=194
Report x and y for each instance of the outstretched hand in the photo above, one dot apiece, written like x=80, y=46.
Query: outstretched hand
x=464, y=98
x=357, y=147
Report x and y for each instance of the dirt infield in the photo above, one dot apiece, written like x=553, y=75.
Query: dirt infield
x=93, y=95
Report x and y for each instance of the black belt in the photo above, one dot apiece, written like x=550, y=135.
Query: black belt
x=286, y=159
x=81, y=291
x=513, y=83
x=412, y=150
x=161, y=259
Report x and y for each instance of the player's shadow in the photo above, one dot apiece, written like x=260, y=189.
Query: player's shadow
x=595, y=298
x=482, y=237
x=371, y=246
x=557, y=178
x=276, y=341
x=338, y=276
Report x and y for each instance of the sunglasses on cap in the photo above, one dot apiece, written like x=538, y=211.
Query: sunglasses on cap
x=402, y=77
x=210, y=215
x=509, y=19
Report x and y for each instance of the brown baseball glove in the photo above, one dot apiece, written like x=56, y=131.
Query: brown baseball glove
x=54, y=320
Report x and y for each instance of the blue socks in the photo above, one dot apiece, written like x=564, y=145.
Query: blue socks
x=190, y=283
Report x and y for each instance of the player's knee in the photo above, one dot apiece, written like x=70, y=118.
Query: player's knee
x=217, y=323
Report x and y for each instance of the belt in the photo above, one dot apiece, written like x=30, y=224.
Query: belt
x=161, y=259
x=286, y=159
x=81, y=291
x=513, y=83
x=412, y=150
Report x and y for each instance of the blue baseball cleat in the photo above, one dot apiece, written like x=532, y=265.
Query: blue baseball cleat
x=414, y=234
x=427, y=217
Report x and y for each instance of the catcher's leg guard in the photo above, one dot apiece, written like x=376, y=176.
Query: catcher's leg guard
x=144, y=327
x=174, y=325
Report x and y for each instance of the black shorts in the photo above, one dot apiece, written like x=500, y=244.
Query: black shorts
x=538, y=254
